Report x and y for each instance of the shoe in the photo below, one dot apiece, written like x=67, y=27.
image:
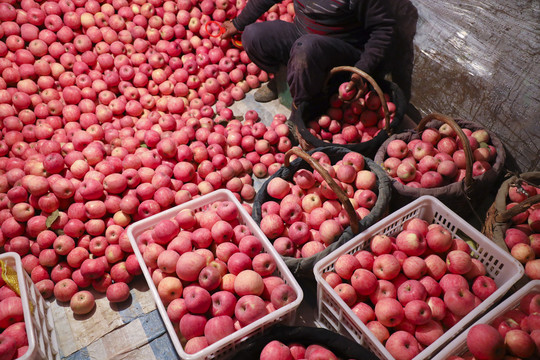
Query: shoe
x=267, y=92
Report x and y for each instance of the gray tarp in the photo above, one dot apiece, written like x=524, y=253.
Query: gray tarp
x=479, y=60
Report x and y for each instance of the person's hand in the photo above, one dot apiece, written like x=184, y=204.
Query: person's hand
x=357, y=82
x=230, y=30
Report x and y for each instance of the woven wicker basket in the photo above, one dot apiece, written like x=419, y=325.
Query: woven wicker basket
x=461, y=196
x=302, y=115
x=304, y=267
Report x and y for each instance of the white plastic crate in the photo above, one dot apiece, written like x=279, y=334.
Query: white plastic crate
x=459, y=345
x=225, y=347
x=335, y=315
x=39, y=323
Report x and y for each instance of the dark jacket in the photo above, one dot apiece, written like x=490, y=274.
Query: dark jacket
x=366, y=24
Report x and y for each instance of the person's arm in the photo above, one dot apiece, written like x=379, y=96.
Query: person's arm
x=254, y=10
x=379, y=23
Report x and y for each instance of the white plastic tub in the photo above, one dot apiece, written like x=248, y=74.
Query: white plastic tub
x=42, y=343
x=459, y=345
x=335, y=315
x=226, y=346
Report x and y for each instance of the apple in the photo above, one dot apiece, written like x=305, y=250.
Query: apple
x=411, y=243
x=117, y=292
x=218, y=327
x=192, y=325
x=379, y=330
x=209, y=278
x=197, y=299
x=364, y=281
x=347, y=293
x=459, y=301
x=519, y=343
x=485, y=342
x=8, y=347
x=316, y=351
x=248, y=282
x=264, y=264
x=92, y=268
x=389, y=312
x=414, y=267
x=411, y=290
x=386, y=267
x=82, y=303
x=189, y=265
x=458, y=262
x=381, y=244
x=402, y=345
x=11, y=311
x=282, y=295
x=483, y=286
x=428, y=333
x=169, y=288
x=250, y=308
x=223, y=303
x=417, y=312
x=397, y=148
x=65, y=289
x=276, y=350
x=346, y=265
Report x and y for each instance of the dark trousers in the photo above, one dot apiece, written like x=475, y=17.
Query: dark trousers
x=308, y=57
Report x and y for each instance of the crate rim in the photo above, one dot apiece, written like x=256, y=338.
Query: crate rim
x=487, y=318
x=25, y=300
x=424, y=200
x=239, y=335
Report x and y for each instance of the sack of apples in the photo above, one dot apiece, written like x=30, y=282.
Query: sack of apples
x=358, y=121
x=319, y=201
x=456, y=161
x=301, y=342
x=513, y=220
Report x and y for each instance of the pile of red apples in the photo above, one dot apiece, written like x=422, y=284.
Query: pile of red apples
x=349, y=122
x=110, y=112
x=276, y=350
x=211, y=273
x=409, y=289
x=13, y=338
x=437, y=158
x=304, y=215
x=511, y=335
x=523, y=235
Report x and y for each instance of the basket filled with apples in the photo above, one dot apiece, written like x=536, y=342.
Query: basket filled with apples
x=307, y=215
x=511, y=330
x=456, y=161
x=26, y=323
x=406, y=286
x=302, y=342
x=215, y=277
x=356, y=120
x=513, y=220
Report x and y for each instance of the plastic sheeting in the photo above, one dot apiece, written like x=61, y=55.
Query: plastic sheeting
x=479, y=60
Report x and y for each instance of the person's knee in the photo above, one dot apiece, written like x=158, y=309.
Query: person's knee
x=304, y=52
x=251, y=37
x=306, y=47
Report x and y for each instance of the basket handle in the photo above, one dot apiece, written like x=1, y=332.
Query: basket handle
x=343, y=198
x=518, y=209
x=466, y=146
x=376, y=87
